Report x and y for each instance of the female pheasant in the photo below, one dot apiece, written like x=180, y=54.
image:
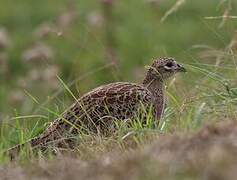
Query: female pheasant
x=108, y=103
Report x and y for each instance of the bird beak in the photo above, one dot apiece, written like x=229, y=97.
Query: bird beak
x=181, y=68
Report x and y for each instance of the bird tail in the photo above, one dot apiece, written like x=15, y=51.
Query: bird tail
x=41, y=143
x=14, y=151
x=54, y=136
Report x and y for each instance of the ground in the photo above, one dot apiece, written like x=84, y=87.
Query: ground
x=208, y=154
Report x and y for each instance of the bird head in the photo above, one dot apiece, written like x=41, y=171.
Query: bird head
x=164, y=68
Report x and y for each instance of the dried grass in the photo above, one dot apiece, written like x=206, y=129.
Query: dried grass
x=209, y=154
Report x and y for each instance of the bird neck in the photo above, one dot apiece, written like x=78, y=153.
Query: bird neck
x=156, y=87
x=154, y=84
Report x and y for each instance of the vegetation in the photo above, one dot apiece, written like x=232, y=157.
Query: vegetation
x=50, y=50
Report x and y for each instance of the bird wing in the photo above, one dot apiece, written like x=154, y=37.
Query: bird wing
x=121, y=99
x=120, y=93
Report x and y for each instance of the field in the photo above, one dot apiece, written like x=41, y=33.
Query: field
x=51, y=51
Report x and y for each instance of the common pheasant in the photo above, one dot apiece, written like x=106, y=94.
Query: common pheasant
x=108, y=103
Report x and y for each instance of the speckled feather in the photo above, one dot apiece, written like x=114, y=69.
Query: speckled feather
x=94, y=110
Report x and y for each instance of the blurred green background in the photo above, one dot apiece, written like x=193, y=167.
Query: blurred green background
x=88, y=43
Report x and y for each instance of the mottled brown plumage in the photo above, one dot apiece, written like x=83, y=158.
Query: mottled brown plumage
x=98, y=109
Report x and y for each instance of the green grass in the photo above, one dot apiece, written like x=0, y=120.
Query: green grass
x=132, y=32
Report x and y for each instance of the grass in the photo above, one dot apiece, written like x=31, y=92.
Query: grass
x=86, y=54
x=177, y=156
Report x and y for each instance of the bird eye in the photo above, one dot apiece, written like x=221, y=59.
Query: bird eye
x=169, y=64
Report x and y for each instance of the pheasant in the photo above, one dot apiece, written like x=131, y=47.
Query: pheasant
x=106, y=104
